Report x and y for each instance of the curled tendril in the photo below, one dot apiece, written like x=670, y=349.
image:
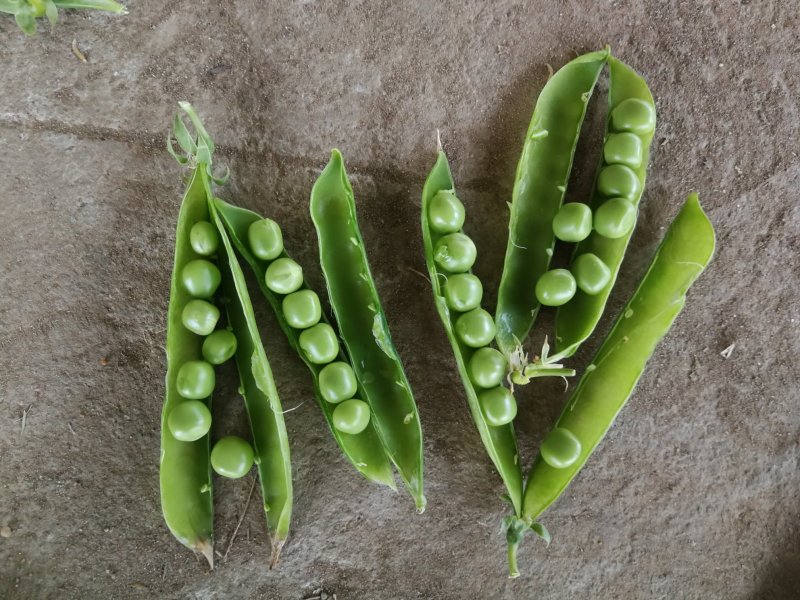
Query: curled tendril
x=197, y=150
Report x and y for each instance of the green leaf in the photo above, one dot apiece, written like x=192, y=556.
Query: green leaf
x=183, y=136
x=10, y=6
x=541, y=531
x=26, y=22
x=51, y=11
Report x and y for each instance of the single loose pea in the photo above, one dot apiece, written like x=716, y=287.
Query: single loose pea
x=615, y=218
x=232, y=457
x=487, y=367
x=204, y=238
x=446, y=212
x=591, y=274
x=189, y=421
x=455, y=253
x=618, y=180
x=475, y=328
x=302, y=309
x=499, y=406
x=351, y=416
x=463, y=292
x=200, y=278
x=284, y=276
x=573, y=222
x=560, y=449
x=623, y=149
x=319, y=343
x=200, y=317
x=634, y=115
x=195, y=380
x=556, y=287
x=219, y=346
x=265, y=239
x=337, y=382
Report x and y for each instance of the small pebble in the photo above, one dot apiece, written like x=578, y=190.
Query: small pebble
x=5, y=531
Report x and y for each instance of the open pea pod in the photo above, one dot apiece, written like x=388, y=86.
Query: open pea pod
x=499, y=441
x=270, y=440
x=185, y=466
x=364, y=449
x=620, y=361
x=362, y=323
x=539, y=187
x=630, y=128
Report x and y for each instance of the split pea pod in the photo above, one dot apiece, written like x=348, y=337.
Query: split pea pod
x=264, y=411
x=362, y=323
x=362, y=449
x=618, y=189
x=457, y=294
x=614, y=371
x=185, y=468
x=539, y=187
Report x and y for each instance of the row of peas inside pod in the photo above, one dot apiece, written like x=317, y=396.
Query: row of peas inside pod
x=318, y=341
x=454, y=254
x=191, y=419
x=623, y=151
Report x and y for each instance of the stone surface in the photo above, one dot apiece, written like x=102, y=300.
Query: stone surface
x=693, y=494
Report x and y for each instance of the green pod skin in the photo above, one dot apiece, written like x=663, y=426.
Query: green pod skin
x=362, y=323
x=539, y=187
x=577, y=319
x=611, y=377
x=185, y=467
x=269, y=438
x=364, y=451
x=500, y=442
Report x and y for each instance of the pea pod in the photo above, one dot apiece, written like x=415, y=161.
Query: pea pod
x=364, y=450
x=185, y=469
x=539, y=187
x=270, y=440
x=577, y=319
x=363, y=326
x=500, y=441
x=611, y=377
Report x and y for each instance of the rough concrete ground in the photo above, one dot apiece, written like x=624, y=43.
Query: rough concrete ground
x=693, y=494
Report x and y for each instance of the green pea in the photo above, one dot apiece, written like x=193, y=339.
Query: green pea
x=446, y=212
x=573, y=222
x=591, y=274
x=284, y=276
x=618, y=180
x=560, y=449
x=302, y=309
x=487, y=367
x=463, y=292
x=219, y=346
x=615, y=218
x=475, y=328
x=204, y=238
x=499, y=406
x=265, y=239
x=200, y=278
x=195, y=380
x=319, y=343
x=351, y=416
x=634, y=115
x=232, y=457
x=189, y=421
x=555, y=287
x=624, y=149
x=337, y=382
x=200, y=317
x=455, y=253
